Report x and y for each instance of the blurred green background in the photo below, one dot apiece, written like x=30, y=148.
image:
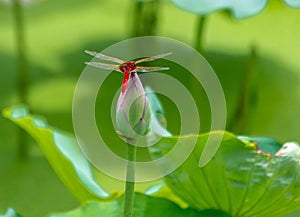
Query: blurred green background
x=58, y=31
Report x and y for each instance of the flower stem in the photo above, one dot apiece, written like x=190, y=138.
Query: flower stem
x=137, y=14
x=239, y=118
x=199, y=33
x=130, y=177
x=145, y=18
x=23, y=77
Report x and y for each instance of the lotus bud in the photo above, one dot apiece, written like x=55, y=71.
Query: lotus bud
x=133, y=112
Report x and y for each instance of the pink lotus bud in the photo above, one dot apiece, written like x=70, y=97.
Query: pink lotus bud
x=133, y=111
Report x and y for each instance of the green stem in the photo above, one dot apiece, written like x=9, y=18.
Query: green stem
x=22, y=79
x=199, y=33
x=194, y=84
x=137, y=15
x=238, y=120
x=145, y=18
x=151, y=17
x=130, y=177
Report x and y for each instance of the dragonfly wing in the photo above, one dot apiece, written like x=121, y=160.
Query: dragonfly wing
x=147, y=59
x=150, y=68
x=104, y=57
x=103, y=65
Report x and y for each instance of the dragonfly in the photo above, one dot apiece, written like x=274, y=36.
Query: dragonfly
x=128, y=68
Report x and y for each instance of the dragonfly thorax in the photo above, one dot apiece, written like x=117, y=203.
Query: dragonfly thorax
x=127, y=66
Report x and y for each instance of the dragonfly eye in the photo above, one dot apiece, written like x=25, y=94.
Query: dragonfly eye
x=128, y=66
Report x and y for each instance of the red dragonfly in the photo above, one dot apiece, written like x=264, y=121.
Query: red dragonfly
x=126, y=67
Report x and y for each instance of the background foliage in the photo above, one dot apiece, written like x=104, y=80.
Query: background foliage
x=58, y=31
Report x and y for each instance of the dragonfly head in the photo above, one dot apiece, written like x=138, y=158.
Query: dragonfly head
x=127, y=66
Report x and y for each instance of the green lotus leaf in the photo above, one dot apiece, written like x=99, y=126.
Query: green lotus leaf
x=163, y=191
x=72, y=167
x=266, y=144
x=144, y=206
x=240, y=179
x=293, y=3
x=63, y=154
x=239, y=9
x=10, y=213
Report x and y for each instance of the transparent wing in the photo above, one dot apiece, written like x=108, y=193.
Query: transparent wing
x=104, y=66
x=150, y=68
x=147, y=59
x=104, y=57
